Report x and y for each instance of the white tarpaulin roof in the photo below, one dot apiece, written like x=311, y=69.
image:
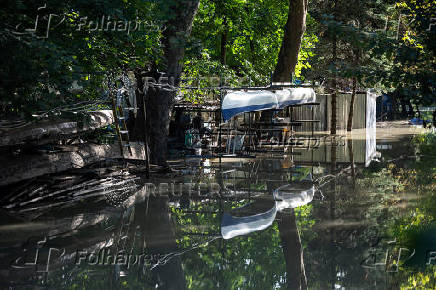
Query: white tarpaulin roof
x=235, y=103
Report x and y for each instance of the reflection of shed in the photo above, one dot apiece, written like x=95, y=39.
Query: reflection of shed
x=362, y=147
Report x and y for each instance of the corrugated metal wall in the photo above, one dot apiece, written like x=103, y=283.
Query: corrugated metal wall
x=323, y=112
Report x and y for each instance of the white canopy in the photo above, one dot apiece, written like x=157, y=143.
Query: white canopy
x=295, y=96
x=235, y=103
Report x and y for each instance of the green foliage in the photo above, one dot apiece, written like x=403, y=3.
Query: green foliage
x=254, y=32
x=203, y=72
x=385, y=45
x=380, y=182
x=38, y=69
x=426, y=168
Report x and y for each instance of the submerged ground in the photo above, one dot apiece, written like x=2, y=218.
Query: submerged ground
x=268, y=222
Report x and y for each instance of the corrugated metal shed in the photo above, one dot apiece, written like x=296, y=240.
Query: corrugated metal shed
x=364, y=109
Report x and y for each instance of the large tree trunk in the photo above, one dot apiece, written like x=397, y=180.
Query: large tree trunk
x=287, y=60
x=351, y=112
x=293, y=34
x=334, y=85
x=292, y=250
x=159, y=101
x=334, y=91
x=353, y=95
x=159, y=238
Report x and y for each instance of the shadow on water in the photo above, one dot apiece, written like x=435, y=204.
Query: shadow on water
x=295, y=222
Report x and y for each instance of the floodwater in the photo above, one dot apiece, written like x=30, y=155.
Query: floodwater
x=303, y=220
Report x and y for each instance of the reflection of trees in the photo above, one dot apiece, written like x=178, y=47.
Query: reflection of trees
x=247, y=262
x=292, y=250
x=143, y=228
x=291, y=244
x=343, y=233
x=253, y=261
x=332, y=230
x=260, y=260
x=354, y=221
x=159, y=238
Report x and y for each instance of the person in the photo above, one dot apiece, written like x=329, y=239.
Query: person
x=198, y=122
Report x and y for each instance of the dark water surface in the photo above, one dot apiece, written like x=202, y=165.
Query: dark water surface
x=271, y=222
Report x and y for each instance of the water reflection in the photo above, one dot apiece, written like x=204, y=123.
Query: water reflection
x=275, y=222
x=260, y=214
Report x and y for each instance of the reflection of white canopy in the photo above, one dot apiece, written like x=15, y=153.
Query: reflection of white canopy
x=238, y=226
x=286, y=197
x=239, y=102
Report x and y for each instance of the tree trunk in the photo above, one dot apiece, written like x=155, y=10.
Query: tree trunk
x=159, y=106
x=334, y=89
x=293, y=34
x=334, y=80
x=159, y=238
x=161, y=100
x=351, y=113
x=353, y=169
x=292, y=250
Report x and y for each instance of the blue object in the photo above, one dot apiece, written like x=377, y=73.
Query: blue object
x=416, y=121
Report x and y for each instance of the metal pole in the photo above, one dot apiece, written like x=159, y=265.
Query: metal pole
x=147, y=157
x=249, y=131
x=117, y=126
